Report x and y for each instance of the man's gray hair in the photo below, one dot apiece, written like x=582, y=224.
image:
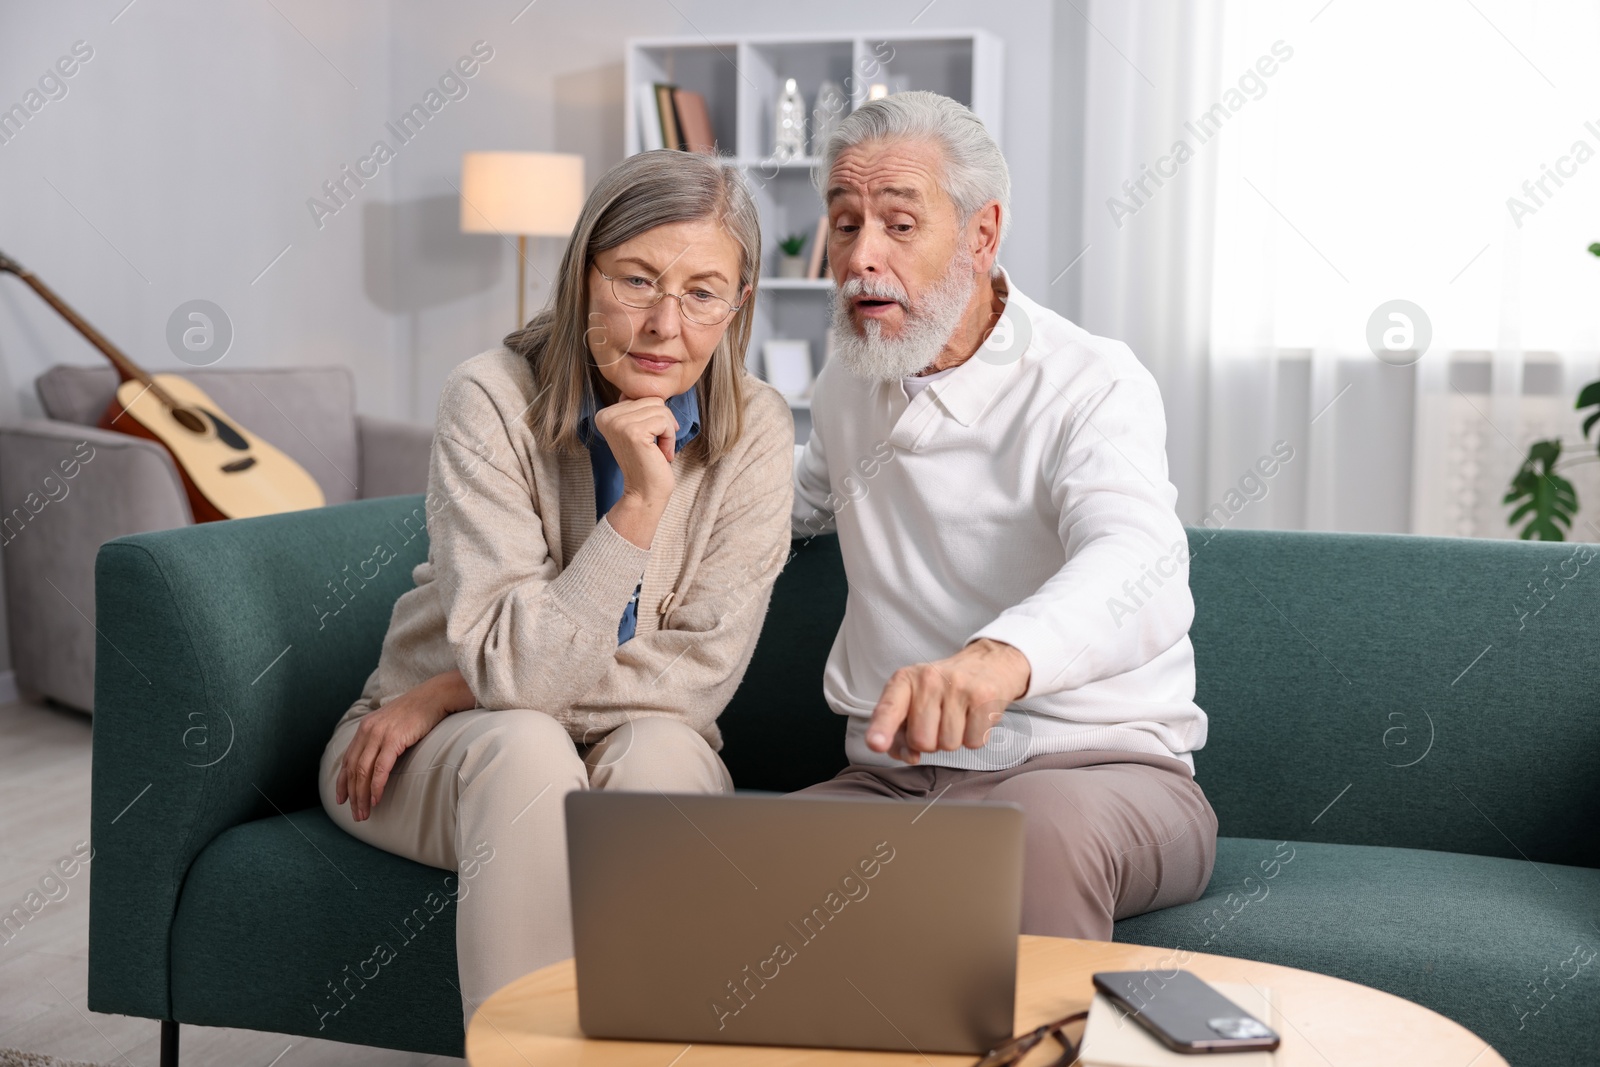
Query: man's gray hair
x=974, y=170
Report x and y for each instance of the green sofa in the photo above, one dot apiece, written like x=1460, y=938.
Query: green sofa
x=1402, y=761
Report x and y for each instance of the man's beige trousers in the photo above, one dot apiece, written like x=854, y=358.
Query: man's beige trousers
x=1106, y=834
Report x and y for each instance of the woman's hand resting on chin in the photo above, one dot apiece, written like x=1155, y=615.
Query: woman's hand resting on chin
x=641, y=434
x=384, y=735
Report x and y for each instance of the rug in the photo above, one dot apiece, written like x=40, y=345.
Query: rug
x=10, y=1057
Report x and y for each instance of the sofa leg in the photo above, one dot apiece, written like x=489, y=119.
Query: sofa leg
x=169, y=1043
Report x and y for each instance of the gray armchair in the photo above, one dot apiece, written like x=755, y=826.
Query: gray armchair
x=66, y=487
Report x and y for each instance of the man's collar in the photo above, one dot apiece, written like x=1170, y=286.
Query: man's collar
x=974, y=383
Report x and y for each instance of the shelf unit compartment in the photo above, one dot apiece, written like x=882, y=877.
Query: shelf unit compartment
x=942, y=65
x=705, y=68
x=788, y=204
x=767, y=63
x=962, y=66
x=801, y=314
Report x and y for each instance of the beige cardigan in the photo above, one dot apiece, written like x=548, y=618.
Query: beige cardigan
x=523, y=589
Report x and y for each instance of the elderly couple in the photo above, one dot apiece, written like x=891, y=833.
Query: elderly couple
x=616, y=495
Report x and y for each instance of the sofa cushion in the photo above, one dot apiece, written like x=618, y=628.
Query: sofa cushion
x=307, y=412
x=279, y=928
x=1504, y=947
x=1443, y=689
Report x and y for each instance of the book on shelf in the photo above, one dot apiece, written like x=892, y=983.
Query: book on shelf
x=819, y=245
x=668, y=115
x=649, y=118
x=694, y=122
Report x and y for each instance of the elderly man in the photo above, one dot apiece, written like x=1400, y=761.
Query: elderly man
x=1018, y=612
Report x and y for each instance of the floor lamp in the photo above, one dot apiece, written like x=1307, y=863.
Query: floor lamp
x=530, y=194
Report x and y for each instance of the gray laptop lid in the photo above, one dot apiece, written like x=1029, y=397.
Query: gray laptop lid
x=785, y=920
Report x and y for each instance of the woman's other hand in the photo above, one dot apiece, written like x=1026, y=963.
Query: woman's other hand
x=642, y=434
x=384, y=735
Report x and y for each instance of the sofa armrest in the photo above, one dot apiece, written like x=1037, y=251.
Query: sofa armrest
x=394, y=456
x=224, y=659
x=66, y=489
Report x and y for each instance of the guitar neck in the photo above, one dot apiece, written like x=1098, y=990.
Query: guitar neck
x=127, y=368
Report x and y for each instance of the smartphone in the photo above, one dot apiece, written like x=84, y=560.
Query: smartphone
x=1184, y=1013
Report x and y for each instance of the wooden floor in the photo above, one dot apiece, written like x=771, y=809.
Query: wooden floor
x=44, y=812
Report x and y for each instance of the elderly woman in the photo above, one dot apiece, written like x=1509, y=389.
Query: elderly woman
x=608, y=506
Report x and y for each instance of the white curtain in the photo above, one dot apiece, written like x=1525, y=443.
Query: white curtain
x=1145, y=278
x=1341, y=156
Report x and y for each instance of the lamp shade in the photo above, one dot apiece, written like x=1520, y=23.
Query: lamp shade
x=537, y=194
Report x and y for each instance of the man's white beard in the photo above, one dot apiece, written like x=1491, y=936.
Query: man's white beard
x=924, y=330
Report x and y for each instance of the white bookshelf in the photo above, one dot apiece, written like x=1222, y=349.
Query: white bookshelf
x=742, y=77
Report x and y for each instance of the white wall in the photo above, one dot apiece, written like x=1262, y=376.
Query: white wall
x=183, y=153
x=185, y=150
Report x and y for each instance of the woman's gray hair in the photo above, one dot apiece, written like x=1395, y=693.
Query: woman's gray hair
x=645, y=190
x=975, y=171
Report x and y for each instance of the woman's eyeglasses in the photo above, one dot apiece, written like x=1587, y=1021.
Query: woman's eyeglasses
x=698, y=305
x=1012, y=1051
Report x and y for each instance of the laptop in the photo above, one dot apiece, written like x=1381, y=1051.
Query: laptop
x=786, y=920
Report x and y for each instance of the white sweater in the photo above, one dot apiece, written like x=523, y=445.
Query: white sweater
x=1023, y=497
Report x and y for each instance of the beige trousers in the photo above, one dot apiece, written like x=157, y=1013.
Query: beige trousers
x=1106, y=834
x=482, y=795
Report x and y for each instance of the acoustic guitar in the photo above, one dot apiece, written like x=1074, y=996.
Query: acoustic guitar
x=228, y=472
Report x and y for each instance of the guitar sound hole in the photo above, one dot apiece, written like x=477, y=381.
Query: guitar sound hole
x=189, y=420
x=226, y=433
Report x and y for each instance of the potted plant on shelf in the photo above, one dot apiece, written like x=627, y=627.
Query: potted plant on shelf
x=1550, y=501
x=790, y=263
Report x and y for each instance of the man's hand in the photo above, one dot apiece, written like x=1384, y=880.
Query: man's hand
x=949, y=703
x=384, y=735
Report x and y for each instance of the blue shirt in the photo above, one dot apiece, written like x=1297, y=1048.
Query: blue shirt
x=685, y=407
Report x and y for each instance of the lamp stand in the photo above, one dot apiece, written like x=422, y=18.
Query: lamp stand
x=522, y=285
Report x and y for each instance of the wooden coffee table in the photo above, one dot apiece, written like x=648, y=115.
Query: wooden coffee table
x=533, y=1022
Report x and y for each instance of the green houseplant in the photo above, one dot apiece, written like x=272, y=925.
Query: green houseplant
x=790, y=265
x=1547, y=500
